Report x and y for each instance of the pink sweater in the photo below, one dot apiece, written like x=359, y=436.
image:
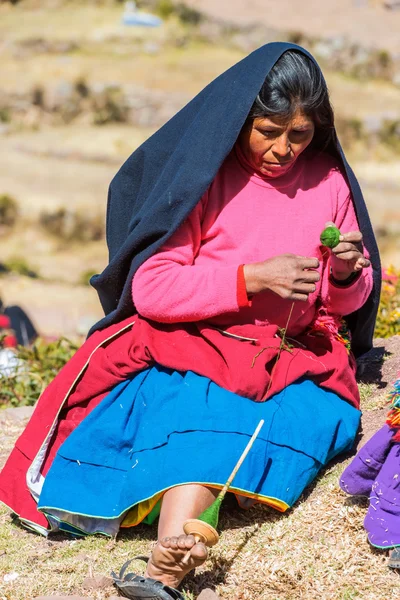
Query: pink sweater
x=244, y=218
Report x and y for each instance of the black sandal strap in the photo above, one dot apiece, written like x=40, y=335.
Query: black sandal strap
x=137, y=587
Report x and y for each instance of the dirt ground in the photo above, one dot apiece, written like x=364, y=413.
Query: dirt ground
x=364, y=21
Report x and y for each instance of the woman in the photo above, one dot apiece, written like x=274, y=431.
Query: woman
x=213, y=229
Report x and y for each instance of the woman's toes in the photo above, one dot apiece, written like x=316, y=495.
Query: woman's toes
x=167, y=562
x=182, y=542
x=189, y=541
x=199, y=552
x=173, y=543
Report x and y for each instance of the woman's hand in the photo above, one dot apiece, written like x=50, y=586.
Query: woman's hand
x=291, y=277
x=347, y=257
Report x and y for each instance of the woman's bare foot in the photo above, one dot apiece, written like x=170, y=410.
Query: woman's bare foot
x=165, y=563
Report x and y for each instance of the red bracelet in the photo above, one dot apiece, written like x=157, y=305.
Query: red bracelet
x=241, y=292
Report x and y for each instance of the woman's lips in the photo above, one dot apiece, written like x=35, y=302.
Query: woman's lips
x=278, y=165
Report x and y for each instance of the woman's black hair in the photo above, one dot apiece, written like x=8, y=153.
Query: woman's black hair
x=296, y=82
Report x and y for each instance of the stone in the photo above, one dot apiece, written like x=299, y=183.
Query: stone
x=59, y=598
x=207, y=594
x=98, y=582
x=392, y=4
x=18, y=413
x=396, y=79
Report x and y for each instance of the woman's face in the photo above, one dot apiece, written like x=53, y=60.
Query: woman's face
x=272, y=146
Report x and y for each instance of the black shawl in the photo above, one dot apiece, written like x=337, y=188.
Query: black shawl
x=162, y=181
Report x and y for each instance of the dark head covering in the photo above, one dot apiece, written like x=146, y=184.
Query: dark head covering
x=162, y=181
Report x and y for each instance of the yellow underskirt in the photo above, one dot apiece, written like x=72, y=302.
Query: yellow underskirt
x=139, y=512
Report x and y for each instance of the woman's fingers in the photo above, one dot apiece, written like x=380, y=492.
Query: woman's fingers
x=350, y=255
x=351, y=252
x=354, y=256
x=354, y=237
x=308, y=263
x=362, y=263
x=298, y=296
x=310, y=276
x=305, y=288
x=350, y=249
x=345, y=247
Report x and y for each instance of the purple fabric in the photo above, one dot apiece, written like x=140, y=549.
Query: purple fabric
x=361, y=473
x=382, y=521
x=375, y=472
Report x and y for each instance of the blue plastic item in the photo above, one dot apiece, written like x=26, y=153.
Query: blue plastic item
x=141, y=19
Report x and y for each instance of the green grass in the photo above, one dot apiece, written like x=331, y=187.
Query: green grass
x=39, y=365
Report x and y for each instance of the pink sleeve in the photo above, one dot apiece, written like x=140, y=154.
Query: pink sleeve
x=170, y=288
x=338, y=299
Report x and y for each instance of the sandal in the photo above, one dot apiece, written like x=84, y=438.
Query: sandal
x=138, y=587
x=394, y=558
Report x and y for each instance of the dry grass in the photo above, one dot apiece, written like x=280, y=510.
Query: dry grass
x=317, y=550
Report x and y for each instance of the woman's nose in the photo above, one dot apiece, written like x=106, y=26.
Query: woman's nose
x=281, y=146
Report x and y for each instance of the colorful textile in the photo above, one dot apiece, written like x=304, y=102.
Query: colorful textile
x=8, y=339
x=245, y=218
x=16, y=328
x=165, y=178
x=393, y=419
x=239, y=359
x=163, y=428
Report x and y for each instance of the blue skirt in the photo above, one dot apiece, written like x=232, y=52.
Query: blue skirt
x=164, y=428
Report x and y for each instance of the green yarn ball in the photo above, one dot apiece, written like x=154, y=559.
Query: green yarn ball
x=211, y=514
x=330, y=237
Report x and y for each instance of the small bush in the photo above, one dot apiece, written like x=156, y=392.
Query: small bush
x=82, y=87
x=388, y=319
x=165, y=8
x=384, y=59
x=295, y=37
x=5, y=114
x=20, y=266
x=39, y=365
x=69, y=225
x=38, y=96
x=188, y=15
x=350, y=130
x=8, y=210
x=86, y=276
x=390, y=134
x=110, y=107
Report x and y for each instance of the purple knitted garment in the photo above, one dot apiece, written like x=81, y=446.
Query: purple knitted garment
x=375, y=472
